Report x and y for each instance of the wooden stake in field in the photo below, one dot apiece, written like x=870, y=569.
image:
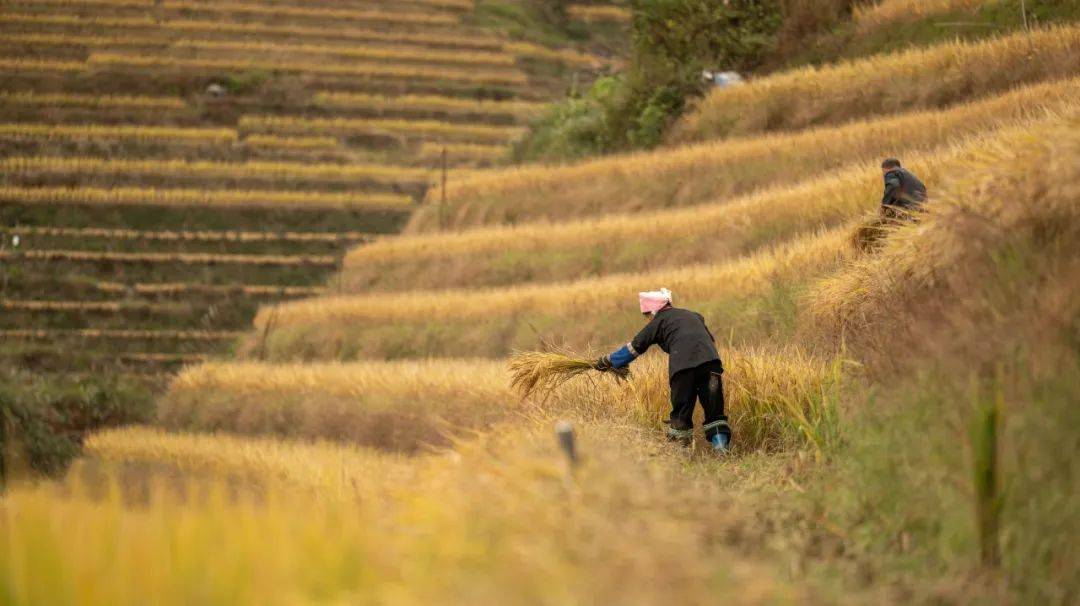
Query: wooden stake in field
x=442, y=197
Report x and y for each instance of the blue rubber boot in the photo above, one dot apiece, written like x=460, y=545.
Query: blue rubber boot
x=719, y=433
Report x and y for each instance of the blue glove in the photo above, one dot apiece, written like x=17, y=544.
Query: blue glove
x=622, y=357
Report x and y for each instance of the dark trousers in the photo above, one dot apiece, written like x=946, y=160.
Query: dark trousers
x=691, y=385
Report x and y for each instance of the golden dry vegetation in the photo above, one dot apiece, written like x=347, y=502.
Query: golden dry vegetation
x=697, y=173
x=542, y=252
x=201, y=197
x=932, y=77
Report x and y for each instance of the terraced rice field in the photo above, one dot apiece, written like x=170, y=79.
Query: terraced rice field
x=188, y=161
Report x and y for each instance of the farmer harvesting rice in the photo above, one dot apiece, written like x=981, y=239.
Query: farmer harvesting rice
x=694, y=367
x=904, y=192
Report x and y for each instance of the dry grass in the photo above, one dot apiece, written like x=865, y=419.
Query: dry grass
x=40, y=65
x=131, y=196
x=189, y=236
x=877, y=15
x=428, y=103
x=98, y=102
x=278, y=172
x=122, y=334
x=978, y=210
x=591, y=13
x=233, y=8
x=70, y=40
x=921, y=78
x=333, y=470
x=543, y=372
x=138, y=134
x=418, y=129
x=541, y=252
x=350, y=53
x=354, y=69
x=568, y=56
x=271, y=142
x=189, y=288
x=431, y=153
x=84, y=306
x=708, y=171
x=575, y=315
x=393, y=405
x=83, y=256
x=447, y=530
x=207, y=28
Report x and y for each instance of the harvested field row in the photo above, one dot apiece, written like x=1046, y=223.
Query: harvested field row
x=129, y=196
x=499, y=256
x=172, y=257
x=165, y=335
x=86, y=42
x=521, y=110
x=139, y=133
x=740, y=295
x=352, y=70
x=88, y=306
x=190, y=236
x=205, y=29
x=95, y=102
x=21, y=169
x=462, y=152
x=227, y=8
x=916, y=79
x=291, y=143
x=708, y=171
x=419, y=129
x=192, y=289
x=377, y=53
x=592, y=13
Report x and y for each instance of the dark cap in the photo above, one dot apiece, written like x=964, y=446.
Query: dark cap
x=890, y=163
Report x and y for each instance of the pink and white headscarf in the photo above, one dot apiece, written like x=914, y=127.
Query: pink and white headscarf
x=655, y=300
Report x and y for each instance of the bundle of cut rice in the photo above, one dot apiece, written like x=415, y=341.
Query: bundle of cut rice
x=542, y=372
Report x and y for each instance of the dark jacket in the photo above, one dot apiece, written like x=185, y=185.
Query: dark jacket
x=903, y=190
x=682, y=334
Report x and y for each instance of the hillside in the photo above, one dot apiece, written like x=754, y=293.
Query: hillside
x=347, y=422
x=169, y=166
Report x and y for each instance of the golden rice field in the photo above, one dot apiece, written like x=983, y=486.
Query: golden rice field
x=203, y=28
x=139, y=134
x=68, y=40
x=875, y=15
x=190, y=236
x=473, y=511
x=356, y=69
x=100, y=102
x=193, y=288
x=427, y=103
x=579, y=315
x=270, y=171
x=231, y=8
x=95, y=333
x=133, y=196
x=423, y=129
x=918, y=78
x=593, y=13
x=378, y=53
x=89, y=306
x=543, y=252
x=171, y=257
x=697, y=173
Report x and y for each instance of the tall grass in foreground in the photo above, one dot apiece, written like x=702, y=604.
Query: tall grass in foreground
x=695, y=174
x=541, y=252
x=498, y=522
x=916, y=79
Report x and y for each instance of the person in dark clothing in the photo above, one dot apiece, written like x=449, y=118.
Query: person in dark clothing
x=904, y=192
x=694, y=366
